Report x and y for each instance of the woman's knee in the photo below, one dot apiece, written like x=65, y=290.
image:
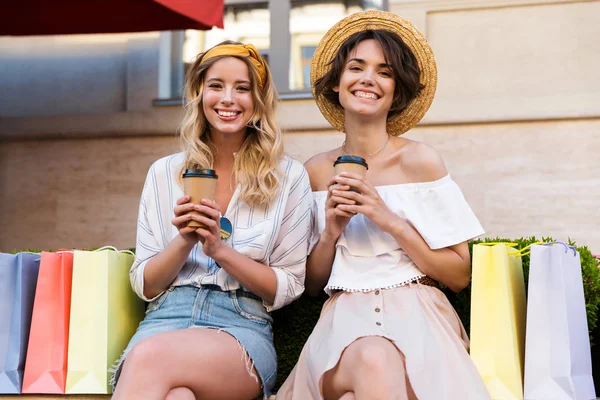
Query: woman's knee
x=144, y=354
x=180, y=393
x=376, y=356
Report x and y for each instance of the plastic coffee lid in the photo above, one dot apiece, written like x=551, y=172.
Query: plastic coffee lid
x=352, y=160
x=200, y=173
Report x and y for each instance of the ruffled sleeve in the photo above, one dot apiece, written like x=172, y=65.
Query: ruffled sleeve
x=439, y=212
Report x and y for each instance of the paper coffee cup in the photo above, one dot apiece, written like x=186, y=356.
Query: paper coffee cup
x=353, y=164
x=199, y=184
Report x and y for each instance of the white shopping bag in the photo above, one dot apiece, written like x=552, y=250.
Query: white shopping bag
x=558, y=363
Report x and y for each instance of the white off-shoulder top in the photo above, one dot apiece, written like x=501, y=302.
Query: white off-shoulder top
x=367, y=258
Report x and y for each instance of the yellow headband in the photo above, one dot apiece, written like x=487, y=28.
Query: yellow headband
x=244, y=50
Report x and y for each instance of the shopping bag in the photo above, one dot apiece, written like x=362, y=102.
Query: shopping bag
x=105, y=313
x=46, y=364
x=18, y=278
x=558, y=361
x=498, y=319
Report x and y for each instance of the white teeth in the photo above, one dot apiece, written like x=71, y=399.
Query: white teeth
x=227, y=113
x=366, y=95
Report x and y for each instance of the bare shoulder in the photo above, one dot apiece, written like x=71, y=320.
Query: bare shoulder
x=320, y=169
x=422, y=161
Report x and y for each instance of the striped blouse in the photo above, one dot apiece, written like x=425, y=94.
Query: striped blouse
x=278, y=235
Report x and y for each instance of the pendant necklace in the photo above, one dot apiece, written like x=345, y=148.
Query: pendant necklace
x=369, y=154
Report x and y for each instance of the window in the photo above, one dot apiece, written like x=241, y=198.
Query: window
x=307, y=54
x=286, y=33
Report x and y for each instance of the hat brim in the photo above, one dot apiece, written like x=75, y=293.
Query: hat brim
x=377, y=20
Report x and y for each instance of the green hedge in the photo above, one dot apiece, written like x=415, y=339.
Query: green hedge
x=292, y=325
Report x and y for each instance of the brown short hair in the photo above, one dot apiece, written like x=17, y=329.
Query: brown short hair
x=403, y=64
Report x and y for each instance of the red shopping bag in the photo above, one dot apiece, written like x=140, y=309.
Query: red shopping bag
x=46, y=362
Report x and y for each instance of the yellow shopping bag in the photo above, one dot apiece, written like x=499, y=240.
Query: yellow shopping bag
x=498, y=319
x=105, y=313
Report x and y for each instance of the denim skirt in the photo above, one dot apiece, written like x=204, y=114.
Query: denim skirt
x=238, y=313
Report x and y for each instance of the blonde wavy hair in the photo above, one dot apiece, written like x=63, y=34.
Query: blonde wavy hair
x=256, y=166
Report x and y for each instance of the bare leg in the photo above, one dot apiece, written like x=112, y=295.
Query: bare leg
x=209, y=363
x=370, y=368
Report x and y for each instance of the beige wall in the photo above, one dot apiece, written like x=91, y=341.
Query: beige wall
x=74, y=193
x=538, y=178
x=506, y=60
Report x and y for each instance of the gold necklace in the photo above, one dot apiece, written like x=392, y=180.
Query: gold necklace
x=369, y=154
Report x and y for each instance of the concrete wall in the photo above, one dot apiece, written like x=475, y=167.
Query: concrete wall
x=516, y=117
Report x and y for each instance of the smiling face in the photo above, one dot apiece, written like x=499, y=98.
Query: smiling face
x=227, y=96
x=367, y=83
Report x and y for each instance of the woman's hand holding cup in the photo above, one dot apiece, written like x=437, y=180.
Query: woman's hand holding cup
x=199, y=184
x=200, y=211
x=206, y=227
x=183, y=216
x=351, y=164
x=209, y=231
x=335, y=219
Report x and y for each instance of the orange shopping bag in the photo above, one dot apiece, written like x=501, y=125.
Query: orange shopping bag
x=46, y=362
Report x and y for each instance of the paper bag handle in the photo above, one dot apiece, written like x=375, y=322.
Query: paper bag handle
x=567, y=247
x=115, y=250
x=520, y=252
x=509, y=244
x=525, y=250
x=32, y=252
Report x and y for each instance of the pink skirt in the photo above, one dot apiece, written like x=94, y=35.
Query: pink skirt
x=420, y=322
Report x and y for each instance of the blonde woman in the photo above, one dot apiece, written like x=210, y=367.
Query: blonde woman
x=207, y=332
x=387, y=331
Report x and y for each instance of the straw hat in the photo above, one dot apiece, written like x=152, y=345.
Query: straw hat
x=377, y=20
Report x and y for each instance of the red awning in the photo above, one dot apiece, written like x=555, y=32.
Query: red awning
x=57, y=17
